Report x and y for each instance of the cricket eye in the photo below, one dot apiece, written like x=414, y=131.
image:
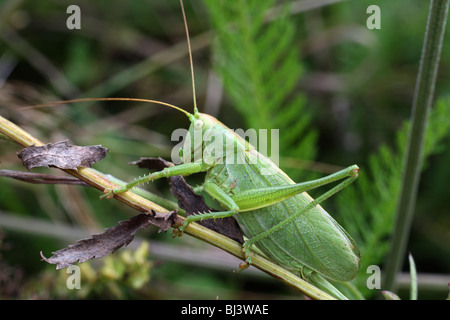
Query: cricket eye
x=198, y=124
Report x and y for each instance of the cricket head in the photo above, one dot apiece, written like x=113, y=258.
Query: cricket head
x=196, y=138
x=208, y=140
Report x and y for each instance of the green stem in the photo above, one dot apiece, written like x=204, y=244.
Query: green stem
x=413, y=272
x=422, y=103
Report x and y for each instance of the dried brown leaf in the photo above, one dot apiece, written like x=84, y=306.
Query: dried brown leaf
x=109, y=241
x=61, y=155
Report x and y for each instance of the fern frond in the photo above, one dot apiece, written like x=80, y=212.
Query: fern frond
x=260, y=69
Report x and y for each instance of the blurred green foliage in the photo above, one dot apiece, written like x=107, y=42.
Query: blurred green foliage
x=336, y=90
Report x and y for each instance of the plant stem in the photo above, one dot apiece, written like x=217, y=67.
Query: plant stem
x=422, y=102
x=98, y=180
x=413, y=274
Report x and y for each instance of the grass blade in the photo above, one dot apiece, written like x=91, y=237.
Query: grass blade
x=422, y=103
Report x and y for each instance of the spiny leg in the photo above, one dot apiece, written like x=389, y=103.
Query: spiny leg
x=220, y=195
x=206, y=215
x=282, y=224
x=262, y=197
x=182, y=169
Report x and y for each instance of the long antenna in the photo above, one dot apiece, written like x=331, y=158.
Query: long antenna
x=190, y=58
x=107, y=99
